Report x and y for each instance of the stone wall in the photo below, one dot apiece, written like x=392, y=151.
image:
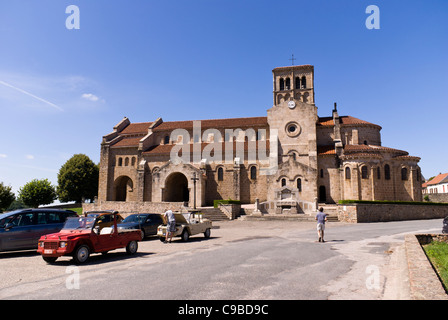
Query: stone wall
x=362, y=212
x=130, y=207
x=437, y=197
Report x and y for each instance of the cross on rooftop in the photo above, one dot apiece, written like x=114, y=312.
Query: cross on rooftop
x=292, y=59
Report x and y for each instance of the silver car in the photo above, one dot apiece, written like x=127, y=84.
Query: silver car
x=22, y=229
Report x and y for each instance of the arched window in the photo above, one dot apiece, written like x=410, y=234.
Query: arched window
x=348, y=174
x=166, y=140
x=387, y=172
x=364, y=172
x=282, y=84
x=404, y=174
x=283, y=182
x=303, y=84
x=321, y=173
x=299, y=184
x=126, y=161
x=297, y=83
x=288, y=84
x=133, y=161
x=378, y=173
x=253, y=173
x=220, y=174
x=120, y=162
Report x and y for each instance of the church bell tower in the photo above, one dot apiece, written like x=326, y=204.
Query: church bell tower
x=294, y=83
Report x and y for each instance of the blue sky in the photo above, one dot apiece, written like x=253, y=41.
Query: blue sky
x=61, y=90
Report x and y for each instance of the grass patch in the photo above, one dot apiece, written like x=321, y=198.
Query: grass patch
x=229, y=201
x=437, y=253
x=77, y=210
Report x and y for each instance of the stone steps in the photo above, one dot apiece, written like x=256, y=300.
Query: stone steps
x=277, y=217
x=214, y=214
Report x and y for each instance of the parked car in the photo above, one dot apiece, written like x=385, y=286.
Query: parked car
x=146, y=222
x=187, y=225
x=82, y=236
x=445, y=225
x=104, y=218
x=20, y=229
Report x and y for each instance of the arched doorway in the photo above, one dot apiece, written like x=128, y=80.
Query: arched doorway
x=123, y=185
x=322, y=194
x=176, y=188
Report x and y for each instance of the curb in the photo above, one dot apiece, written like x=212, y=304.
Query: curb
x=423, y=280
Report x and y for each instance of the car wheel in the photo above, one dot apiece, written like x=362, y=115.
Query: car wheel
x=185, y=235
x=162, y=239
x=49, y=259
x=132, y=247
x=207, y=233
x=81, y=254
x=142, y=233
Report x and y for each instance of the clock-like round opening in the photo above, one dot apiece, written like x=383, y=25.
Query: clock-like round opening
x=293, y=129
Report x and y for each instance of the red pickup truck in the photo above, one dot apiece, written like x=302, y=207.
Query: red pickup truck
x=81, y=236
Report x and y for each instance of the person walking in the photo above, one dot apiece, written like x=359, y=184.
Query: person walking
x=170, y=225
x=321, y=218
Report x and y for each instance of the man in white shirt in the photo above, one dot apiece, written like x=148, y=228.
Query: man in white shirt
x=170, y=225
x=321, y=217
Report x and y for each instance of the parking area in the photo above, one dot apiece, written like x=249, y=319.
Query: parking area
x=22, y=270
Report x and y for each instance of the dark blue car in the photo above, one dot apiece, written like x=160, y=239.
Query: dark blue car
x=21, y=229
x=146, y=222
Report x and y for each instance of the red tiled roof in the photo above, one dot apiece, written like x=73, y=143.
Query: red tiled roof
x=214, y=123
x=128, y=142
x=437, y=179
x=304, y=66
x=326, y=150
x=134, y=128
x=343, y=120
x=356, y=148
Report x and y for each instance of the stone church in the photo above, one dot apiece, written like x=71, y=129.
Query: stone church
x=288, y=161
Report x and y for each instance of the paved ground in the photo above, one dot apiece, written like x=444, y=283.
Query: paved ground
x=242, y=260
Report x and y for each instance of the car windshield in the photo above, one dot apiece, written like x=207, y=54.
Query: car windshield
x=6, y=217
x=79, y=223
x=135, y=218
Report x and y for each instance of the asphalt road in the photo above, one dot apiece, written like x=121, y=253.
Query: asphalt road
x=242, y=260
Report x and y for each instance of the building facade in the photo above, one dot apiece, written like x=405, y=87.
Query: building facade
x=437, y=185
x=290, y=159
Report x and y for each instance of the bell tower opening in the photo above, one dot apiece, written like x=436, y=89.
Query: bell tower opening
x=294, y=82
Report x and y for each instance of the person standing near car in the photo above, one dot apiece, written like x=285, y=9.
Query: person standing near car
x=170, y=225
x=321, y=217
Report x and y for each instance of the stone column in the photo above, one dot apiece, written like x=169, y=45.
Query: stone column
x=141, y=181
x=236, y=179
x=355, y=183
x=372, y=180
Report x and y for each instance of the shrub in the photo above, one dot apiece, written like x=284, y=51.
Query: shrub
x=216, y=203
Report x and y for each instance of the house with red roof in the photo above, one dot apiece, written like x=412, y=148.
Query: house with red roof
x=437, y=185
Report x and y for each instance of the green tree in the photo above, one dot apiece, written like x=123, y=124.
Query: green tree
x=6, y=197
x=37, y=192
x=78, y=179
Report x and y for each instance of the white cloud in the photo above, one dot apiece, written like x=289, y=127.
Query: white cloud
x=3, y=155
x=29, y=156
x=90, y=97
